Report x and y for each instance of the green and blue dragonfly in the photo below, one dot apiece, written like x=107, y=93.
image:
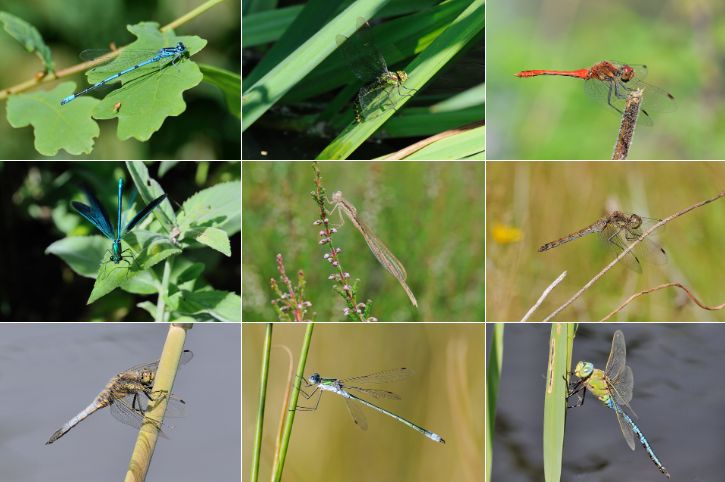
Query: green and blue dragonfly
x=97, y=216
x=613, y=387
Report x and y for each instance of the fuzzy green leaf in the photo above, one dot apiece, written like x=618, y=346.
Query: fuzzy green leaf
x=29, y=37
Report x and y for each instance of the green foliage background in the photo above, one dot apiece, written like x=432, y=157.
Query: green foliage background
x=553, y=118
x=430, y=215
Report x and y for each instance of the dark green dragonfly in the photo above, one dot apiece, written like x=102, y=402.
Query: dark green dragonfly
x=368, y=65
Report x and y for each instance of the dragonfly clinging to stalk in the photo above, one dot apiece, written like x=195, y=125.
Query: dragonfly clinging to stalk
x=129, y=395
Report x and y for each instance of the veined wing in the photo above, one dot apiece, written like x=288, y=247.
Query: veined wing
x=95, y=214
x=153, y=366
x=625, y=427
x=141, y=401
x=123, y=411
x=376, y=393
x=614, y=238
x=360, y=53
x=620, y=379
x=385, y=376
x=617, y=356
x=141, y=215
x=385, y=257
x=356, y=413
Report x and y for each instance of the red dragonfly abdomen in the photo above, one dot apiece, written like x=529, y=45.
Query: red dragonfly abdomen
x=581, y=73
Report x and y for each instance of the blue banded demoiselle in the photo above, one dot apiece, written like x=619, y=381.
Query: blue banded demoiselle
x=96, y=215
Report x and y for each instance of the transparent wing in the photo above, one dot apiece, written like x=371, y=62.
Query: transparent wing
x=153, y=366
x=175, y=406
x=360, y=53
x=123, y=411
x=140, y=54
x=648, y=249
x=384, y=376
x=376, y=393
x=626, y=430
x=613, y=237
x=356, y=413
x=617, y=357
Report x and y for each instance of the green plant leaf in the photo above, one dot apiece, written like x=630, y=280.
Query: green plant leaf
x=149, y=189
x=229, y=83
x=81, y=253
x=221, y=305
x=56, y=127
x=464, y=144
x=190, y=273
x=217, y=206
x=560, y=345
x=29, y=38
x=493, y=377
x=148, y=250
x=215, y=239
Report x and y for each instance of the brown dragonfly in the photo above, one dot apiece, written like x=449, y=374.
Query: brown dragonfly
x=618, y=230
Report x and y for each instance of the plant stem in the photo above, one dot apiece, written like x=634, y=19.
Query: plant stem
x=163, y=383
x=279, y=464
x=626, y=128
x=163, y=291
x=262, y=400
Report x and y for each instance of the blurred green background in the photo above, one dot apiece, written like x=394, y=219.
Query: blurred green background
x=206, y=130
x=547, y=200
x=429, y=214
x=681, y=42
x=445, y=395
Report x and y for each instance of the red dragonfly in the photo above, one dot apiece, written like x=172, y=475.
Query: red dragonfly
x=612, y=82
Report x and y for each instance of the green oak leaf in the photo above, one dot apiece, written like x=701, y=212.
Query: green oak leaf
x=69, y=127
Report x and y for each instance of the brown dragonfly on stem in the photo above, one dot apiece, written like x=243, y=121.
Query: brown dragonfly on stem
x=618, y=230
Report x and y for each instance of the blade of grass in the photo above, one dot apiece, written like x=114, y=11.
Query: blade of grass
x=279, y=464
x=265, y=92
x=465, y=27
x=560, y=346
x=493, y=375
x=262, y=400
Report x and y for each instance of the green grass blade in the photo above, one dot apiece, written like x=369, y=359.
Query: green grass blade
x=493, y=375
x=262, y=400
x=287, y=432
x=269, y=89
x=560, y=345
x=430, y=61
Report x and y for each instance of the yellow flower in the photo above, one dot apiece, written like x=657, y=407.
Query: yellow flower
x=505, y=234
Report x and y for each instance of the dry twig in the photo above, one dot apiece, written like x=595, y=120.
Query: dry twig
x=666, y=285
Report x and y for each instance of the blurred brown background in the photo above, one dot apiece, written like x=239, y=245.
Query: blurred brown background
x=530, y=203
